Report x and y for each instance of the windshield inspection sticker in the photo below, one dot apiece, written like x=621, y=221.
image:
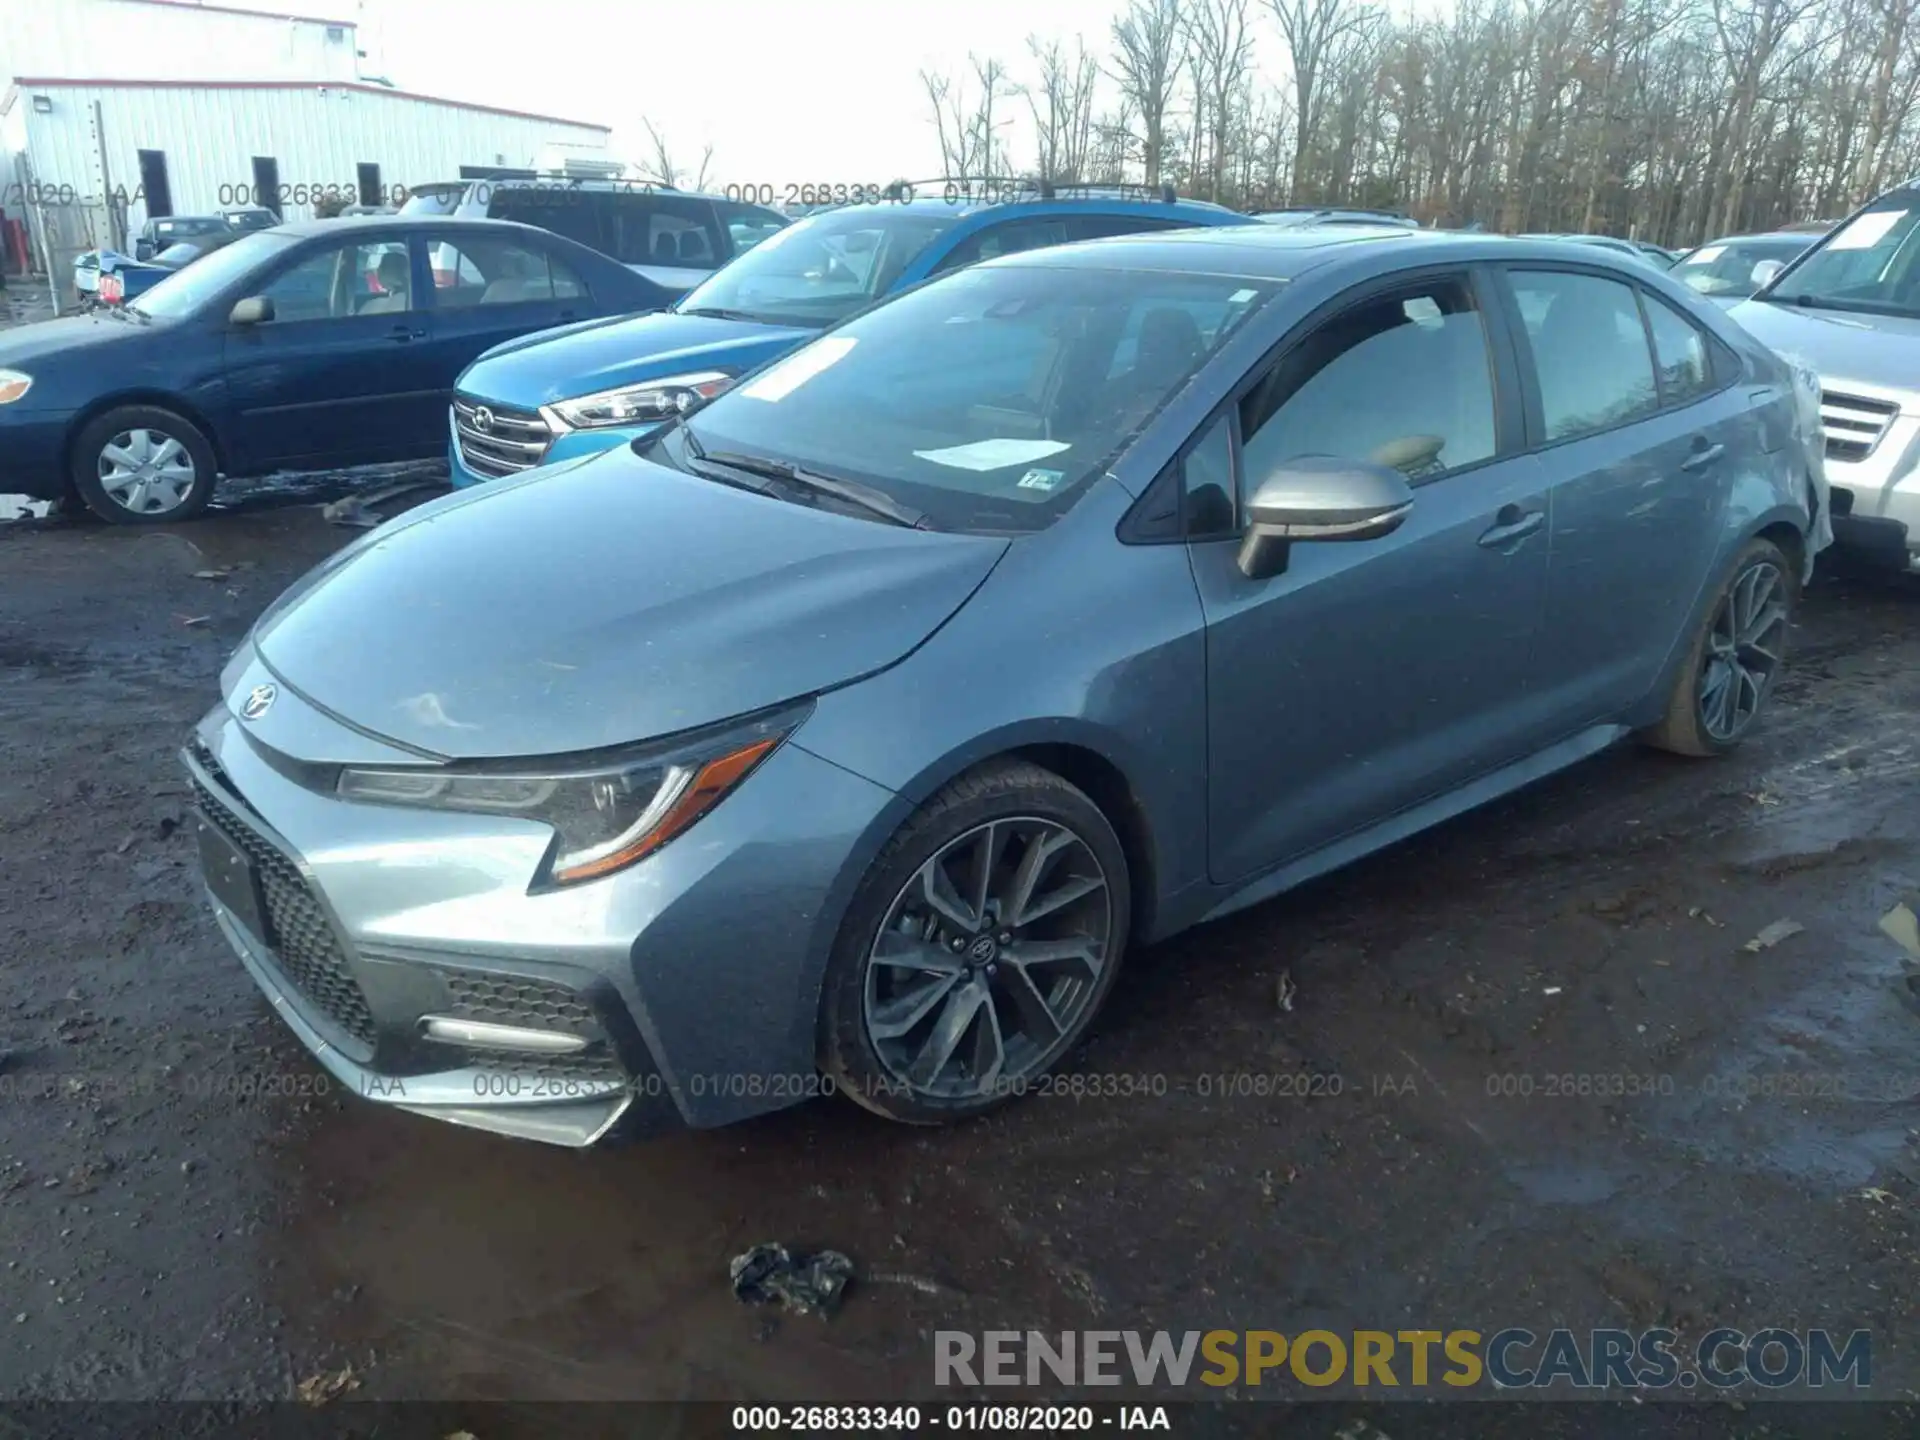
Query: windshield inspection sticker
x=994, y=454
x=1867, y=231
x=1041, y=479
x=793, y=372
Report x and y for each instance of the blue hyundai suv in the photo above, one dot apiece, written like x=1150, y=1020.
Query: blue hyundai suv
x=589, y=387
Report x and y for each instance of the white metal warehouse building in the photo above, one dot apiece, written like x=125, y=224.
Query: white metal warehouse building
x=209, y=106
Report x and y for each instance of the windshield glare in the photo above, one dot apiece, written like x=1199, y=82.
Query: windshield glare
x=185, y=291
x=988, y=400
x=1725, y=267
x=1871, y=263
x=821, y=269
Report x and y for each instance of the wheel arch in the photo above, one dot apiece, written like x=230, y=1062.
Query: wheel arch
x=159, y=399
x=1092, y=760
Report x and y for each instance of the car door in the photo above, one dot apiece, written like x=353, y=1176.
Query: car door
x=337, y=376
x=1370, y=675
x=490, y=288
x=1639, y=469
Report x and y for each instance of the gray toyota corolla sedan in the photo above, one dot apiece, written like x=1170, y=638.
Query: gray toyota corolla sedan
x=845, y=734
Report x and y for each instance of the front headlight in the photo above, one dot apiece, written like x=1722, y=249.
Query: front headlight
x=606, y=812
x=637, y=404
x=13, y=385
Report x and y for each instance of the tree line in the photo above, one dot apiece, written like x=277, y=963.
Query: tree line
x=1665, y=120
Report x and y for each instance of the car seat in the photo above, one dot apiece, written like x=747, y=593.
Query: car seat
x=666, y=248
x=395, y=275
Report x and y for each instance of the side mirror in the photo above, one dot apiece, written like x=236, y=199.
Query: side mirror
x=1320, y=497
x=1764, y=273
x=143, y=249
x=254, y=310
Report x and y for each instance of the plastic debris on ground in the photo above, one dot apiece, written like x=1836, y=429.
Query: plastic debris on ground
x=806, y=1284
x=1902, y=927
x=1771, y=936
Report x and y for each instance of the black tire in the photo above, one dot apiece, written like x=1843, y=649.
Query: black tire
x=1024, y=799
x=89, y=467
x=1685, y=729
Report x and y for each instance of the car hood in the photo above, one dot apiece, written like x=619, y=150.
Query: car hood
x=603, y=602
x=21, y=345
x=585, y=359
x=1873, y=352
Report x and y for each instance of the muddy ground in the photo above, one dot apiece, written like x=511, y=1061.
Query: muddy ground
x=171, y=1232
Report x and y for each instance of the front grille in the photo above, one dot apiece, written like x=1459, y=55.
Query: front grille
x=302, y=939
x=510, y=441
x=534, y=1004
x=1854, y=424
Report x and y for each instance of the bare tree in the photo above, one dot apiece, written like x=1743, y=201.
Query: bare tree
x=1062, y=108
x=1311, y=28
x=1220, y=42
x=1147, y=41
x=661, y=169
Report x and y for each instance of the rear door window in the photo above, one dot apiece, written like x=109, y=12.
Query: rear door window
x=1590, y=351
x=489, y=270
x=1100, y=227
x=1681, y=351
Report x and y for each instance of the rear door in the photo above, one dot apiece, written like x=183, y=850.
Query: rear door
x=341, y=374
x=1640, y=459
x=492, y=288
x=1369, y=675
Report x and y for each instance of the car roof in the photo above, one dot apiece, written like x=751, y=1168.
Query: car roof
x=1256, y=250
x=569, y=183
x=1785, y=237
x=376, y=224
x=1203, y=212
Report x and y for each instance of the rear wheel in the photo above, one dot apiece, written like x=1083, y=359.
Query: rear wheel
x=1730, y=671
x=143, y=465
x=978, y=948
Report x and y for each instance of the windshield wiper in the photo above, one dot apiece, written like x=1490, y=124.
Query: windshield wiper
x=712, y=313
x=1804, y=301
x=851, y=492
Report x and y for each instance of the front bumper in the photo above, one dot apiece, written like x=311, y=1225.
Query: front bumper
x=33, y=447
x=688, y=984
x=1876, y=495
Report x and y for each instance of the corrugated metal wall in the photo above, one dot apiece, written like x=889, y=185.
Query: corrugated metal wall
x=131, y=40
x=317, y=136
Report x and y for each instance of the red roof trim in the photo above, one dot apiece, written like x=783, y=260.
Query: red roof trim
x=238, y=10
x=25, y=82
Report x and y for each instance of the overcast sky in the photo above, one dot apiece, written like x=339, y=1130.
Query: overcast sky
x=785, y=91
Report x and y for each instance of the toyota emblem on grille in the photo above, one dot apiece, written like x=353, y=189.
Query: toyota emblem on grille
x=482, y=418
x=259, y=701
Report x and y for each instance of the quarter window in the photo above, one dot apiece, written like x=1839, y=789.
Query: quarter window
x=1208, y=509
x=1589, y=351
x=1403, y=379
x=1686, y=367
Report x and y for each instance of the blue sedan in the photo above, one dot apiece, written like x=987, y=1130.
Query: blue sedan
x=310, y=346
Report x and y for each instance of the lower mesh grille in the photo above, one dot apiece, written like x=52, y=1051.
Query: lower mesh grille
x=538, y=1005
x=302, y=938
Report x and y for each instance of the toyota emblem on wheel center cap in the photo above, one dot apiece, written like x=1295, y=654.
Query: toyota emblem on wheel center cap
x=259, y=700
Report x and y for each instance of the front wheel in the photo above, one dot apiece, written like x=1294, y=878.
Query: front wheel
x=143, y=465
x=978, y=948
x=1735, y=659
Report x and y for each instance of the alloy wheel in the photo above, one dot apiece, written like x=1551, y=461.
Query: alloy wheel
x=146, y=472
x=1743, y=651
x=988, y=959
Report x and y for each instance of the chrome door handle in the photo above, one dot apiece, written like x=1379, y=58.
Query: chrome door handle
x=1700, y=459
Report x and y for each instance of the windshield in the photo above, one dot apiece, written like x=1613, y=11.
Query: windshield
x=987, y=401
x=185, y=291
x=1872, y=263
x=1726, y=266
x=821, y=269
